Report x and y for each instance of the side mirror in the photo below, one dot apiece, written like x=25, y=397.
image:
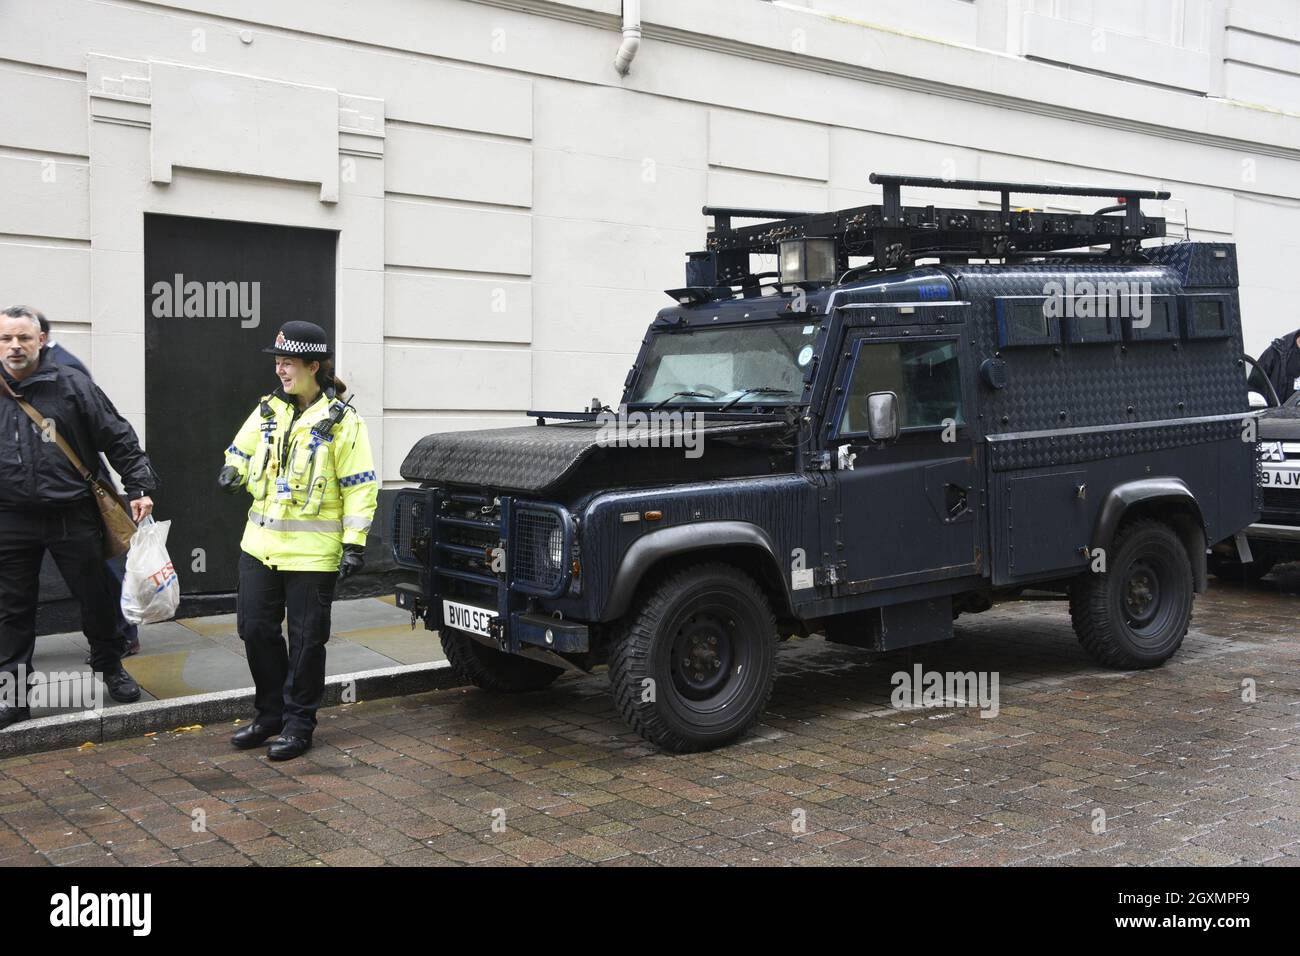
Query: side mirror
x=882, y=416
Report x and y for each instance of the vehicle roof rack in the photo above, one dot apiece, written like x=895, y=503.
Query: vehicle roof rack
x=722, y=215
x=894, y=235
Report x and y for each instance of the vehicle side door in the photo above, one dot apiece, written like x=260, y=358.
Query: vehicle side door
x=908, y=510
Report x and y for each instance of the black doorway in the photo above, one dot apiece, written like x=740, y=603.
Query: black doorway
x=215, y=294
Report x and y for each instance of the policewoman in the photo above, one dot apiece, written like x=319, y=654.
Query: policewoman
x=304, y=456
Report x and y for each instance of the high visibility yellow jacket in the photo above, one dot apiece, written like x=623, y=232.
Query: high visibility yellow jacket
x=313, y=490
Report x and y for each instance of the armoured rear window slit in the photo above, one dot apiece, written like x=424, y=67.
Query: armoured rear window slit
x=1207, y=316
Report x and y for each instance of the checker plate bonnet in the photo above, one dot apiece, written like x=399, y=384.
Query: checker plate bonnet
x=538, y=459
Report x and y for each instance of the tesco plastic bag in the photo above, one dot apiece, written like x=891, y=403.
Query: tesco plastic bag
x=151, y=591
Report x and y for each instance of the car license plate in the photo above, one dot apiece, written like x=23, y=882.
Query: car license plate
x=467, y=617
x=1282, y=476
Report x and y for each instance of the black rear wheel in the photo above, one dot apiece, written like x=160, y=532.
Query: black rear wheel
x=696, y=662
x=1136, y=614
x=491, y=669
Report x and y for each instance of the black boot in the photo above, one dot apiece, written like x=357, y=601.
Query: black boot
x=122, y=686
x=286, y=748
x=254, y=735
x=12, y=715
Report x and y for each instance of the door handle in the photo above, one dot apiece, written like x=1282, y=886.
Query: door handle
x=956, y=500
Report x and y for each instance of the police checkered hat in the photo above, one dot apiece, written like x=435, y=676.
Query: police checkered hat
x=304, y=340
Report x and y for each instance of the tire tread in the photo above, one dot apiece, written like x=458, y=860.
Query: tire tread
x=1090, y=605
x=628, y=656
x=472, y=662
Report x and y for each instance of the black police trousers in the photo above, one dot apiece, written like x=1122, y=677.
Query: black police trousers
x=289, y=682
x=74, y=536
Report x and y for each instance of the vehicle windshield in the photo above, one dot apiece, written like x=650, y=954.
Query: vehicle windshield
x=747, y=365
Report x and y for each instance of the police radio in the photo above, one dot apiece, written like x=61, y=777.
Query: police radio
x=323, y=430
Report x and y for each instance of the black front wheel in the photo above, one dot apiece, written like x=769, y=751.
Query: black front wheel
x=696, y=661
x=1136, y=614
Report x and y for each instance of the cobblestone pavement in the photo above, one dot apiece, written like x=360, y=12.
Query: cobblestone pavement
x=1184, y=770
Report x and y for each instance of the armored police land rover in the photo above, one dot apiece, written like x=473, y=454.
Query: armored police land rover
x=924, y=411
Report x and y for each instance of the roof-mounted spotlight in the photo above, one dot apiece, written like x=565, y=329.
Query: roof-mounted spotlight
x=810, y=261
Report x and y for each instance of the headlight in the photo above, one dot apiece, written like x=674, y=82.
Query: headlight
x=412, y=513
x=539, y=548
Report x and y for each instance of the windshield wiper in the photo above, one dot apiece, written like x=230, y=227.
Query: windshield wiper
x=686, y=394
x=756, y=390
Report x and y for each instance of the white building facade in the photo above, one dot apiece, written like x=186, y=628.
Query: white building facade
x=508, y=207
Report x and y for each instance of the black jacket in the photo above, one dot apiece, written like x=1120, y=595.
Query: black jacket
x=59, y=354
x=1274, y=363
x=34, y=471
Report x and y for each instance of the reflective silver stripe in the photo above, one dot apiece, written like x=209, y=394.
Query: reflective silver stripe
x=361, y=524
x=279, y=524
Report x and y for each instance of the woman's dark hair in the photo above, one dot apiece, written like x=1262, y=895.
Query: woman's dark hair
x=327, y=380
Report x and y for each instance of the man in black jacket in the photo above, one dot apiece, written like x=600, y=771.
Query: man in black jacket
x=1280, y=364
x=46, y=505
x=128, y=632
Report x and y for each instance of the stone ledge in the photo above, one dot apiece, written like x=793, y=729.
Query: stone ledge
x=133, y=720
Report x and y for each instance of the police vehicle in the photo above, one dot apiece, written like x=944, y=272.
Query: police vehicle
x=1275, y=538
x=923, y=411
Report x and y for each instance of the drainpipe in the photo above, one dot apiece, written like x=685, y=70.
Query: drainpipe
x=631, y=37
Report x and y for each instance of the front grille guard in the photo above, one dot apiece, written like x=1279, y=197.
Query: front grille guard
x=420, y=533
